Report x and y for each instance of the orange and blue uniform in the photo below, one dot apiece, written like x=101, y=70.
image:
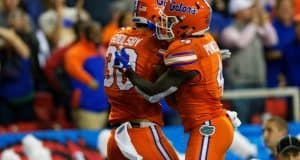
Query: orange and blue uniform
x=199, y=100
x=129, y=105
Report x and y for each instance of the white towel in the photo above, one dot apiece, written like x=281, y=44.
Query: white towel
x=124, y=143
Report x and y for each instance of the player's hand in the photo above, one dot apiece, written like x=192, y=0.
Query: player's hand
x=122, y=59
x=225, y=53
x=94, y=84
x=233, y=116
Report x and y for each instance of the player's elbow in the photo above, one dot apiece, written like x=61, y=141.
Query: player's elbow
x=150, y=91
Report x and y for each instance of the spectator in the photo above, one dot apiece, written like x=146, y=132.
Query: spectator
x=34, y=8
x=8, y=6
x=289, y=148
x=249, y=32
x=283, y=24
x=20, y=22
x=57, y=22
x=274, y=129
x=110, y=29
x=219, y=18
x=16, y=81
x=125, y=20
x=291, y=57
x=120, y=18
x=268, y=4
x=85, y=66
x=44, y=47
x=58, y=79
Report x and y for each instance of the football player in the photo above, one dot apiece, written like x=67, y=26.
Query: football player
x=136, y=123
x=194, y=71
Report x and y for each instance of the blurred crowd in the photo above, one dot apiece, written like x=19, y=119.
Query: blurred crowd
x=52, y=55
x=263, y=37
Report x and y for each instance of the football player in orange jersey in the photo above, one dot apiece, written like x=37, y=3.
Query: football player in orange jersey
x=137, y=123
x=194, y=71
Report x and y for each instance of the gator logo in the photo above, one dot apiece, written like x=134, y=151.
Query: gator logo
x=182, y=8
x=207, y=130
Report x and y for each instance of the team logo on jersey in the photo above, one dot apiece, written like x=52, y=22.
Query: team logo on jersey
x=207, y=130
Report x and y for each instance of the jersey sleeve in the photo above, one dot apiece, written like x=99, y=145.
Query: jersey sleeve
x=181, y=58
x=74, y=66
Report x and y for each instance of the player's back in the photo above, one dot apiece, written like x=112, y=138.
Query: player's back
x=200, y=98
x=126, y=103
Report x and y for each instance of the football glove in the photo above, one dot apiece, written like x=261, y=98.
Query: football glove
x=122, y=59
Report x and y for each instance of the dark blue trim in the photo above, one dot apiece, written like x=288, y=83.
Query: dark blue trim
x=181, y=53
x=162, y=143
x=209, y=123
x=201, y=147
x=156, y=143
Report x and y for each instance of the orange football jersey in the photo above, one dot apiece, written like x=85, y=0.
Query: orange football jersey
x=143, y=51
x=199, y=99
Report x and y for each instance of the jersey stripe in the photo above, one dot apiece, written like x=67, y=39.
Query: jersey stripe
x=180, y=59
x=205, y=145
x=181, y=64
x=179, y=54
x=159, y=144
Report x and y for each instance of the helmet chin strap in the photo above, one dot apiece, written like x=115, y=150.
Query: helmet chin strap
x=142, y=20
